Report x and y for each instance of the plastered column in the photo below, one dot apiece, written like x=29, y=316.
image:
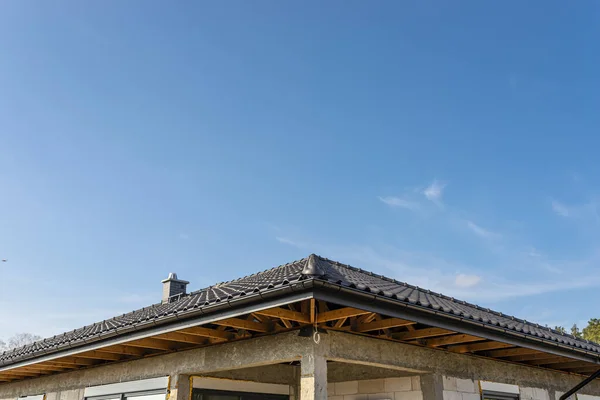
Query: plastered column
x=179, y=387
x=313, y=377
x=432, y=387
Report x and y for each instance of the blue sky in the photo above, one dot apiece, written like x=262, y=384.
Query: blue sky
x=453, y=146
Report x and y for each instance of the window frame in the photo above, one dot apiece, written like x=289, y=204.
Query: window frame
x=241, y=395
x=495, y=395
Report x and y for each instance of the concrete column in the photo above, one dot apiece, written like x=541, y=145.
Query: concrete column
x=432, y=387
x=313, y=377
x=180, y=387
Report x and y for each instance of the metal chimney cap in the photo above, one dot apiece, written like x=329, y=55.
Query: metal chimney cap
x=173, y=277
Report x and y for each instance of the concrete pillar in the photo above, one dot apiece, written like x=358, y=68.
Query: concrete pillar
x=432, y=387
x=180, y=387
x=313, y=377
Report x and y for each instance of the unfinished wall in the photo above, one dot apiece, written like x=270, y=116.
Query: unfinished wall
x=460, y=389
x=405, y=388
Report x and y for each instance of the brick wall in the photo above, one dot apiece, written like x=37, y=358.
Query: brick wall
x=529, y=393
x=407, y=388
x=460, y=389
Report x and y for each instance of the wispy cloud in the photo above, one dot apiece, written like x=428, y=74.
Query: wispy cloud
x=184, y=236
x=435, y=191
x=400, y=202
x=560, y=208
x=291, y=242
x=466, y=281
x=479, y=231
x=587, y=211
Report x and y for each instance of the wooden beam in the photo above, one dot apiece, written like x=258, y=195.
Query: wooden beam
x=454, y=339
x=510, y=352
x=383, y=324
x=363, y=319
x=313, y=311
x=549, y=360
x=181, y=337
x=572, y=365
x=286, y=323
x=151, y=343
x=340, y=313
x=244, y=324
x=470, y=348
x=534, y=357
x=282, y=313
x=96, y=355
x=323, y=307
x=421, y=333
x=22, y=374
x=74, y=361
x=38, y=367
x=340, y=322
x=585, y=370
x=124, y=350
x=208, y=333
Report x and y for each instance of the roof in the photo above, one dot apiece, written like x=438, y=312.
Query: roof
x=281, y=279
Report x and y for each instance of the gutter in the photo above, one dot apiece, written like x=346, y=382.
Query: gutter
x=350, y=297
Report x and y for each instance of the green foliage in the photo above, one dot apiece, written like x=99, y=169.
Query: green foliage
x=560, y=329
x=592, y=331
x=576, y=332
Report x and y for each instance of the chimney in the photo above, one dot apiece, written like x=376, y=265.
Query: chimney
x=173, y=287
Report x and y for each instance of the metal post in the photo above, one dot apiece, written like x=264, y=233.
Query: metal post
x=580, y=385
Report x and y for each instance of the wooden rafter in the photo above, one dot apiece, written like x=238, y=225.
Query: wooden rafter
x=284, y=314
x=340, y=313
x=421, y=333
x=510, y=352
x=97, y=355
x=151, y=343
x=470, y=348
x=19, y=373
x=124, y=350
x=74, y=361
x=181, y=338
x=244, y=324
x=363, y=319
x=340, y=322
x=453, y=339
x=39, y=367
x=571, y=365
x=533, y=357
x=383, y=324
x=208, y=333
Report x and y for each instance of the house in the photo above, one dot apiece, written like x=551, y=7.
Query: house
x=310, y=329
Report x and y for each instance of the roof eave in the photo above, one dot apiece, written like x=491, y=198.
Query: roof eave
x=351, y=297
x=301, y=290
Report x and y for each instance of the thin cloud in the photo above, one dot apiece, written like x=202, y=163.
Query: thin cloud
x=290, y=242
x=435, y=191
x=479, y=231
x=399, y=202
x=466, y=281
x=560, y=209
